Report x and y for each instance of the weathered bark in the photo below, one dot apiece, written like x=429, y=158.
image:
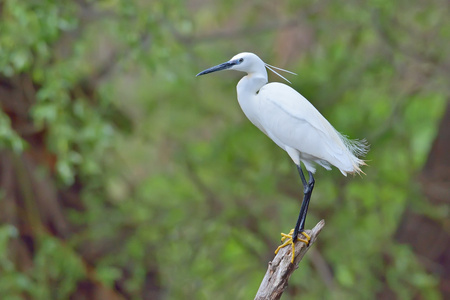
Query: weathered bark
x=280, y=268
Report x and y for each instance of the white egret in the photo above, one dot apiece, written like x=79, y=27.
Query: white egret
x=295, y=125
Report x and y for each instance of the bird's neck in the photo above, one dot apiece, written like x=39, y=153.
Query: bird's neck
x=251, y=84
x=247, y=94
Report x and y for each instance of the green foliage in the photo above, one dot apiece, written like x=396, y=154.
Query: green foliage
x=55, y=272
x=181, y=184
x=13, y=282
x=55, y=265
x=9, y=139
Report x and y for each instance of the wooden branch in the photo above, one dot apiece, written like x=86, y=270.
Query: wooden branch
x=280, y=268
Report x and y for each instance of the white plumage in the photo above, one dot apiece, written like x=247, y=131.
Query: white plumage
x=290, y=120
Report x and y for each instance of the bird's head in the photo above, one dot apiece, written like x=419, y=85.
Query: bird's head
x=244, y=62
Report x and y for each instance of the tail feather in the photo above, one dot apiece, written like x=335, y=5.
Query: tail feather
x=357, y=149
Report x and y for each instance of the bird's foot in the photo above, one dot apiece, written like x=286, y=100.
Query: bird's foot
x=287, y=239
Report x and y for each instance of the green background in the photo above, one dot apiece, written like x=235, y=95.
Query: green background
x=166, y=191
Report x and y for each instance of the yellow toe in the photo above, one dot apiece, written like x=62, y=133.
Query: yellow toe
x=306, y=236
x=286, y=239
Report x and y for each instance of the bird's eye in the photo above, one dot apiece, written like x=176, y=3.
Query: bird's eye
x=241, y=60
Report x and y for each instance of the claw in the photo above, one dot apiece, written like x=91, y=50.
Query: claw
x=286, y=239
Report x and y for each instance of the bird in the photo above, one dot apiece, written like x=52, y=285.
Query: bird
x=296, y=126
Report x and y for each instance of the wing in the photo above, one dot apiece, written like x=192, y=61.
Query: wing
x=292, y=121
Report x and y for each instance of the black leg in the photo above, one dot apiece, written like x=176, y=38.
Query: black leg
x=307, y=191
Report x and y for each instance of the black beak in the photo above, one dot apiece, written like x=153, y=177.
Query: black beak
x=224, y=66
